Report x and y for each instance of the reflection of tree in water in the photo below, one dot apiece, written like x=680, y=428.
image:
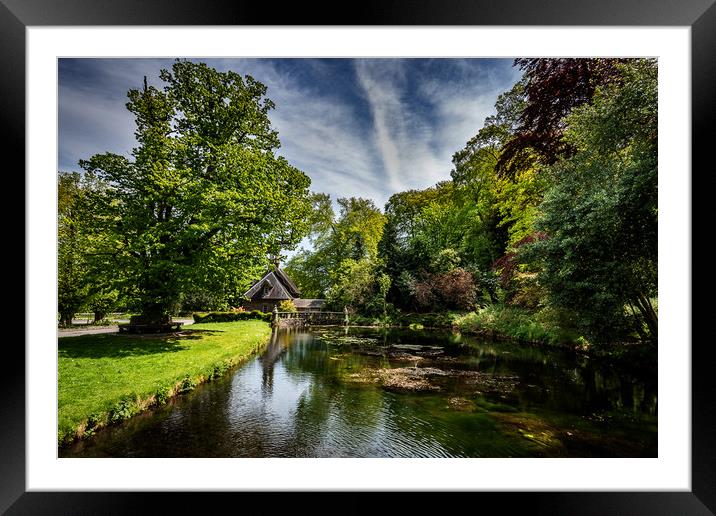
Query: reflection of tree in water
x=331, y=415
x=277, y=346
x=564, y=382
x=551, y=379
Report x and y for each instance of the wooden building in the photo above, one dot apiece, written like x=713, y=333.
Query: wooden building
x=273, y=287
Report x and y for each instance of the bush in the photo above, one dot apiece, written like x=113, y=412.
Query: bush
x=102, y=322
x=452, y=289
x=188, y=384
x=218, y=317
x=125, y=408
x=543, y=327
x=287, y=306
x=426, y=320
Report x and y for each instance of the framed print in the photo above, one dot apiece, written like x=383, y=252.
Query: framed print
x=65, y=62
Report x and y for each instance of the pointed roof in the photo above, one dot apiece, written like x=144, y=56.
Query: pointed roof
x=292, y=288
x=276, y=285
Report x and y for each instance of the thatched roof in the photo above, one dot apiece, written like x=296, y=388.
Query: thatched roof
x=274, y=284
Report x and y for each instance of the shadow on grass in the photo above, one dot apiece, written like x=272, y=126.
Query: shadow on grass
x=105, y=345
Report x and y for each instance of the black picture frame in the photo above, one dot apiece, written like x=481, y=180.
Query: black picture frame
x=700, y=15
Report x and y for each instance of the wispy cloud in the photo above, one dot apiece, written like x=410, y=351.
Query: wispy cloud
x=420, y=119
x=363, y=128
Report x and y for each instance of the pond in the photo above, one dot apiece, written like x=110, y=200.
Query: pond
x=357, y=392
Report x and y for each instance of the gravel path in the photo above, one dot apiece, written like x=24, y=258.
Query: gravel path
x=93, y=330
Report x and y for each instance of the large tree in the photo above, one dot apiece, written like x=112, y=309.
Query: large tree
x=599, y=255
x=549, y=90
x=204, y=197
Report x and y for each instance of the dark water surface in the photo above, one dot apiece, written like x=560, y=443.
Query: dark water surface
x=337, y=392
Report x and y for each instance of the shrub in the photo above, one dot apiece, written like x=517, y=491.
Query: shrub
x=426, y=320
x=125, y=408
x=219, y=317
x=287, y=306
x=219, y=369
x=453, y=289
x=188, y=384
x=102, y=322
x=161, y=397
x=544, y=327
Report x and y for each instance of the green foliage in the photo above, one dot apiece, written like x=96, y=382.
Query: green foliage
x=72, y=266
x=204, y=198
x=600, y=212
x=434, y=231
x=310, y=272
x=426, y=320
x=360, y=286
x=343, y=265
x=125, y=408
x=446, y=260
x=220, y=369
x=187, y=384
x=101, y=300
x=162, y=396
x=196, y=299
x=519, y=324
x=287, y=306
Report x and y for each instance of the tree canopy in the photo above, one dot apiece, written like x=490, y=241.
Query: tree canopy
x=550, y=208
x=204, y=198
x=600, y=212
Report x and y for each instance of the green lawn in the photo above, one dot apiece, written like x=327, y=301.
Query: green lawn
x=109, y=377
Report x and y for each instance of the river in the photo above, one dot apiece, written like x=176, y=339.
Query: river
x=356, y=392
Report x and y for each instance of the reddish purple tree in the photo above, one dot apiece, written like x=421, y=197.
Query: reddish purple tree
x=553, y=88
x=453, y=289
x=506, y=266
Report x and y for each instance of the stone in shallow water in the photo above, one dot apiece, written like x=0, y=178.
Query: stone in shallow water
x=400, y=378
x=423, y=378
x=416, y=347
x=407, y=378
x=461, y=404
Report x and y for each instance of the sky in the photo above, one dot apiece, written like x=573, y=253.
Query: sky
x=356, y=127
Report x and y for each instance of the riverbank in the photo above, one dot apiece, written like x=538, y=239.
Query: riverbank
x=105, y=378
x=541, y=328
x=349, y=392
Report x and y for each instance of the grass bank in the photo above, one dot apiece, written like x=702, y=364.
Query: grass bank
x=541, y=327
x=106, y=378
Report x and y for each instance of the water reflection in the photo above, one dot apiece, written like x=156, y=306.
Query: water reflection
x=364, y=393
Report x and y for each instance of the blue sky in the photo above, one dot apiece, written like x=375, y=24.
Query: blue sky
x=357, y=127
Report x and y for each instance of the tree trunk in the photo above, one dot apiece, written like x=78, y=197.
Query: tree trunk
x=638, y=323
x=649, y=315
x=66, y=318
x=160, y=294
x=98, y=315
x=152, y=316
